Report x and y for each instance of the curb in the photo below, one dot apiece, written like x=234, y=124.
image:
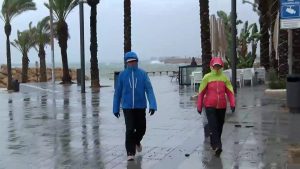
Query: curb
x=276, y=92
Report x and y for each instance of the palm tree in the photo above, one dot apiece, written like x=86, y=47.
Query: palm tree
x=127, y=26
x=93, y=48
x=42, y=38
x=205, y=35
x=249, y=37
x=61, y=10
x=267, y=19
x=227, y=25
x=273, y=15
x=264, y=21
x=283, y=67
x=24, y=43
x=11, y=9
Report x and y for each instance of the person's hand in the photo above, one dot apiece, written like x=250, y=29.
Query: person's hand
x=232, y=109
x=199, y=111
x=117, y=114
x=151, y=111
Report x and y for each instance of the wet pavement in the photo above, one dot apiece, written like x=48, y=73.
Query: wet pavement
x=47, y=126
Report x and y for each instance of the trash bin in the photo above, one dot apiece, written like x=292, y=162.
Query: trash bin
x=293, y=93
x=116, y=76
x=78, y=73
x=16, y=85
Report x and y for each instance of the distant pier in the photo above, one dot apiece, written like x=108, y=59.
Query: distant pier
x=162, y=72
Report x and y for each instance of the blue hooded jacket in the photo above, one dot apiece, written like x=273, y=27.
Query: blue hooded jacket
x=132, y=87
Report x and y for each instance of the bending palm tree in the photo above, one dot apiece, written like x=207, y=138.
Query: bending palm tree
x=93, y=48
x=205, y=36
x=11, y=9
x=42, y=38
x=61, y=10
x=24, y=43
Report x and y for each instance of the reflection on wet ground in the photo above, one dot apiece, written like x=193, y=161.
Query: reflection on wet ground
x=54, y=126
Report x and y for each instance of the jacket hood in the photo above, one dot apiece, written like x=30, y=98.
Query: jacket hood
x=129, y=56
x=216, y=60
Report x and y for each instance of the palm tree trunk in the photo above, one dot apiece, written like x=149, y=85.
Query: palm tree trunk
x=95, y=83
x=274, y=10
x=264, y=21
x=296, y=51
x=62, y=31
x=283, y=68
x=127, y=26
x=7, y=29
x=43, y=71
x=253, y=53
x=205, y=35
x=25, y=62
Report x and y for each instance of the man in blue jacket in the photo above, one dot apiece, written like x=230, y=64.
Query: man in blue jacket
x=132, y=87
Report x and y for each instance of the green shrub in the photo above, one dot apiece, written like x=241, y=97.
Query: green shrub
x=275, y=81
x=279, y=84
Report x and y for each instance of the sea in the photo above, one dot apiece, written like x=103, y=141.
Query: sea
x=107, y=70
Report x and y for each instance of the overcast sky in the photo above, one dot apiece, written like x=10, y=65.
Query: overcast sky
x=159, y=28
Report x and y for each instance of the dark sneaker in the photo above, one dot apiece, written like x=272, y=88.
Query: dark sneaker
x=218, y=152
x=130, y=158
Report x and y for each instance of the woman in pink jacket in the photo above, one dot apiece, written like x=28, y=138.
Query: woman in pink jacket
x=213, y=88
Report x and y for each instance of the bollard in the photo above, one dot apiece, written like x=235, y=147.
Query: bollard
x=293, y=93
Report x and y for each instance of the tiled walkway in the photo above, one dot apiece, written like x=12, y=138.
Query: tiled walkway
x=47, y=127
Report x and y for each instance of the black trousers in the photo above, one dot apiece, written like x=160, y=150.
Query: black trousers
x=215, y=119
x=135, y=120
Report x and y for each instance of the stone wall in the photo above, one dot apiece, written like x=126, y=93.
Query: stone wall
x=33, y=75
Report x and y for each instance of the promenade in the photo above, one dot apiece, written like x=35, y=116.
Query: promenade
x=46, y=126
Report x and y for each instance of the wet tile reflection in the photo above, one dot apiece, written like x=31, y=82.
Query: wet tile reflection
x=67, y=129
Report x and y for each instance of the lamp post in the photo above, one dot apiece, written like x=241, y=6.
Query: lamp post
x=52, y=41
x=82, y=60
x=233, y=32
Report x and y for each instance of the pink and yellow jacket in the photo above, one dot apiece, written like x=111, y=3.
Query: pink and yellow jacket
x=212, y=90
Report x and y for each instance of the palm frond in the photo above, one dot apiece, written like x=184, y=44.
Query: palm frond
x=48, y=6
x=19, y=43
x=71, y=7
x=42, y=32
x=24, y=41
x=24, y=7
x=44, y=25
x=61, y=9
x=13, y=8
x=16, y=44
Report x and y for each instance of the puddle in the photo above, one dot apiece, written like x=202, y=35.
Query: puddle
x=238, y=125
x=294, y=154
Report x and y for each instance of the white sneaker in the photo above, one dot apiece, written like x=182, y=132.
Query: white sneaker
x=130, y=158
x=139, y=148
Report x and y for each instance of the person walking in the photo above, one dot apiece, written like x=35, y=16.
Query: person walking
x=212, y=90
x=193, y=63
x=132, y=87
